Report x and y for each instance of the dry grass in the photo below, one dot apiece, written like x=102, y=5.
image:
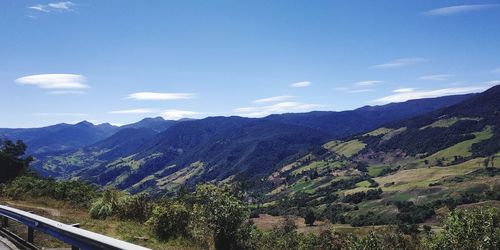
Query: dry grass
x=124, y=230
x=267, y=222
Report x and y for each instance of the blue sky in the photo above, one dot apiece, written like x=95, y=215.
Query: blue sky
x=119, y=61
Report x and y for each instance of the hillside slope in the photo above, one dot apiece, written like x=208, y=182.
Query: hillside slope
x=442, y=159
x=213, y=149
x=348, y=123
x=60, y=137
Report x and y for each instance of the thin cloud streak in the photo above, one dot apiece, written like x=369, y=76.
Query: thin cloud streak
x=66, y=92
x=301, y=84
x=402, y=62
x=274, y=99
x=354, y=91
x=441, y=77
x=175, y=114
x=458, y=9
x=50, y=7
x=368, y=83
x=156, y=96
x=406, y=95
x=282, y=107
x=55, y=81
x=403, y=90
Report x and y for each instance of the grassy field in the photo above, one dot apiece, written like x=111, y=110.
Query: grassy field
x=267, y=222
x=444, y=123
x=348, y=148
x=460, y=149
x=421, y=177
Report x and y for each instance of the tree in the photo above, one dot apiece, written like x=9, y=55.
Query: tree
x=310, y=218
x=12, y=163
x=478, y=228
x=486, y=161
x=218, y=219
x=169, y=220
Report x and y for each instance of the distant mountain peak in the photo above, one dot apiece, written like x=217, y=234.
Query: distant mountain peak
x=158, y=118
x=85, y=123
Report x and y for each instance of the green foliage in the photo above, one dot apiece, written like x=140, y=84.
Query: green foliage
x=310, y=217
x=136, y=207
x=12, y=163
x=75, y=192
x=372, y=194
x=107, y=204
x=216, y=217
x=469, y=229
x=169, y=220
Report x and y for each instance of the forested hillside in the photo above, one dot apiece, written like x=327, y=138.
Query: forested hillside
x=403, y=172
x=158, y=155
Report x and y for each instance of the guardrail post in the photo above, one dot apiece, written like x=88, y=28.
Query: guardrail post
x=77, y=225
x=31, y=232
x=5, y=221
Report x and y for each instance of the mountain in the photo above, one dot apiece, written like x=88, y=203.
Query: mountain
x=159, y=155
x=60, y=137
x=348, y=123
x=157, y=124
x=406, y=170
x=440, y=129
x=211, y=149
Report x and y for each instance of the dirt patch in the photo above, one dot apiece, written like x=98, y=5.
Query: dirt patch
x=267, y=222
x=42, y=211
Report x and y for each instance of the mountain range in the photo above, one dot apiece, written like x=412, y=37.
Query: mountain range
x=444, y=158
x=160, y=156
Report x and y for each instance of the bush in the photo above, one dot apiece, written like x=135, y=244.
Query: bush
x=169, y=220
x=137, y=208
x=217, y=217
x=106, y=205
x=477, y=228
x=30, y=186
x=310, y=217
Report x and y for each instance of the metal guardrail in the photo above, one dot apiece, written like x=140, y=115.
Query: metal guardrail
x=76, y=237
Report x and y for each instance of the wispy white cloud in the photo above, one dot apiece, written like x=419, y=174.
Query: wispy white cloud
x=66, y=92
x=493, y=83
x=360, y=87
x=368, y=83
x=403, y=90
x=56, y=82
x=301, y=84
x=354, y=91
x=155, y=96
x=458, y=9
x=56, y=6
x=402, y=62
x=441, y=77
x=496, y=71
x=282, y=107
x=135, y=111
x=175, y=114
x=279, y=98
x=410, y=94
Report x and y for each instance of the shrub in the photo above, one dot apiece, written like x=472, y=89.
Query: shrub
x=106, y=205
x=169, y=220
x=477, y=228
x=217, y=217
x=310, y=217
x=137, y=207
